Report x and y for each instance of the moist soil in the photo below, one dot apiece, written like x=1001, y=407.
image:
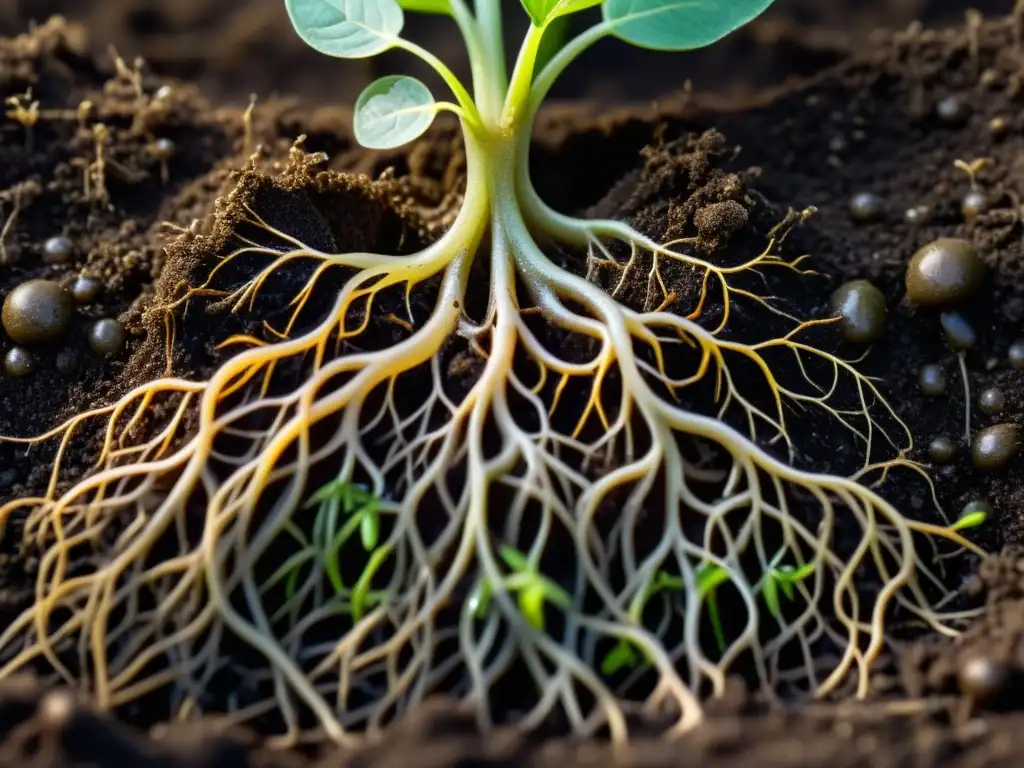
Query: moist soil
x=856, y=113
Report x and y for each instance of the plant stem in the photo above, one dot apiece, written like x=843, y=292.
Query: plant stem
x=558, y=64
x=519, y=87
x=488, y=91
x=488, y=13
x=458, y=89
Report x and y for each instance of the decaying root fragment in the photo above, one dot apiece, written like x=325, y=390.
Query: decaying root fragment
x=516, y=532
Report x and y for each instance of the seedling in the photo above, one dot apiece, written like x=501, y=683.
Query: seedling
x=25, y=110
x=360, y=509
x=503, y=458
x=534, y=590
x=972, y=169
x=784, y=578
x=972, y=518
x=709, y=577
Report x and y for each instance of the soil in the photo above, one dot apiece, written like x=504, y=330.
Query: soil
x=816, y=108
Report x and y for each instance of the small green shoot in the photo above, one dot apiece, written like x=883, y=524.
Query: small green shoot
x=709, y=578
x=973, y=516
x=543, y=12
x=622, y=656
x=784, y=578
x=480, y=598
x=362, y=597
x=395, y=110
x=363, y=511
x=533, y=588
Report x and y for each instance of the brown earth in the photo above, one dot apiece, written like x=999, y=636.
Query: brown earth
x=867, y=122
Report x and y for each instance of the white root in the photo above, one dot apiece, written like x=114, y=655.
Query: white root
x=458, y=477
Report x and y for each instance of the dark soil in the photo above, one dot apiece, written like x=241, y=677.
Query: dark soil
x=863, y=119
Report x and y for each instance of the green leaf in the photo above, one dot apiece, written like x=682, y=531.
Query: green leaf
x=538, y=10
x=369, y=528
x=786, y=582
x=393, y=111
x=514, y=559
x=771, y=594
x=347, y=29
x=970, y=520
x=531, y=605
x=679, y=25
x=543, y=12
x=331, y=491
x=710, y=577
x=427, y=6
x=332, y=551
x=622, y=655
x=800, y=573
x=565, y=7
x=480, y=598
x=361, y=598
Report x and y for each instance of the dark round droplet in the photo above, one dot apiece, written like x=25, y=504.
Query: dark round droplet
x=37, y=312
x=996, y=446
x=932, y=380
x=86, y=289
x=18, y=362
x=107, y=337
x=973, y=204
x=67, y=362
x=57, y=250
x=865, y=207
x=958, y=331
x=992, y=401
x=941, y=450
x=945, y=271
x=985, y=680
x=1015, y=354
x=919, y=214
x=953, y=110
x=861, y=309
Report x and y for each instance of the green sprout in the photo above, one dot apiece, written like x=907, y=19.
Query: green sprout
x=973, y=516
x=533, y=588
x=784, y=578
x=396, y=109
x=624, y=654
x=709, y=577
x=360, y=509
